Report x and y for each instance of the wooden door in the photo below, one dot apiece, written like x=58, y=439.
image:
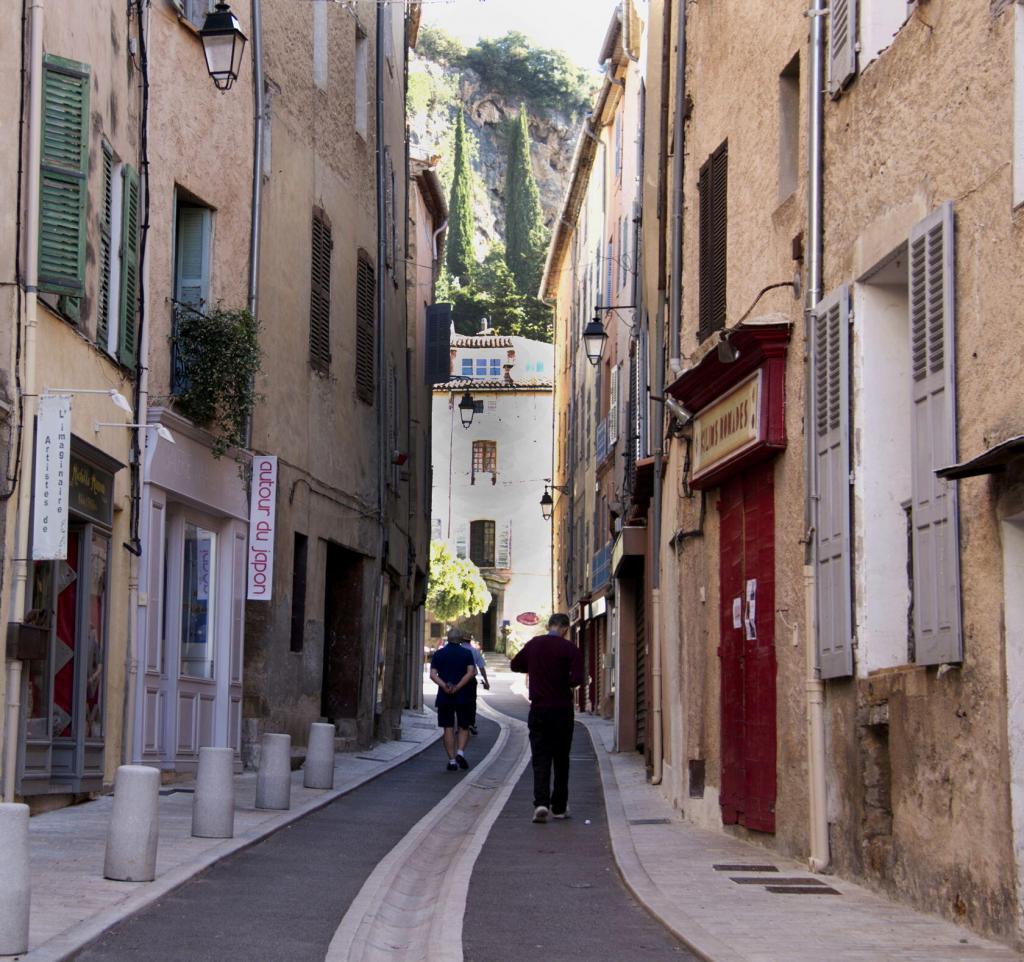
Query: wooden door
x=747, y=652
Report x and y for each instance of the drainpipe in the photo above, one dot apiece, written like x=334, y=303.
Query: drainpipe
x=380, y=353
x=436, y=235
x=678, y=172
x=819, y=857
x=257, y=157
x=29, y=394
x=659, y=460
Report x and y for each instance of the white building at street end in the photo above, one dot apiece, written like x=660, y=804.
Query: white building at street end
x=489, y=477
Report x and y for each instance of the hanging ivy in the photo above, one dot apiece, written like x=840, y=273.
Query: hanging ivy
x=216, y=359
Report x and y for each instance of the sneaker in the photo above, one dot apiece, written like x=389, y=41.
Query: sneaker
x=452, y=767
x=472, y=730
x=460, y=760
x=564, y=814
x=540, y=813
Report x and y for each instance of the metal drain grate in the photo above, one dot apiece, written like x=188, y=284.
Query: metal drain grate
x=175, y=791
x=802, y=890
x=650, y=821
x=759, y=880
x=744, y=868
x=370, y=758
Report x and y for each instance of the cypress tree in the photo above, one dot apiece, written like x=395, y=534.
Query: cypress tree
x=461, y=228
x=525, y=236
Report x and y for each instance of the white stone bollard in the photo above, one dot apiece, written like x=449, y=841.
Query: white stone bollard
x=213, y=805
x=134, y=825
x=274, y=782
x=318, y=772
x=14, y=872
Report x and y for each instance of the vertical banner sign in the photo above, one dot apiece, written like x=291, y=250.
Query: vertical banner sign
x=52, y=474
x=261, y=528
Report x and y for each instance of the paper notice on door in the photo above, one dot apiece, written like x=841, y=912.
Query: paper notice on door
x=737, y=612
x=750, y=623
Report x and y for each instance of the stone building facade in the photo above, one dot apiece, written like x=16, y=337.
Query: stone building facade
x=826, y=494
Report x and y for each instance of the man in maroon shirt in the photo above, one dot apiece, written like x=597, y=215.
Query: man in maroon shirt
x=555, y=666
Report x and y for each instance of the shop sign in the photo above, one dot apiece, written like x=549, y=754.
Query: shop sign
x=262, y=512
x=728, y=427
x=52, y=477
x=92, y=491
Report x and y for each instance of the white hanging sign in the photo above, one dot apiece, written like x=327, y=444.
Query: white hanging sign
x=52, y=477
x=261, y=527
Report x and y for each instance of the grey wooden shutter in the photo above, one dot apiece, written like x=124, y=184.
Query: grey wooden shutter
x=437, y=360
x=842, y=44
x=830, y=427
x=366, y=313
x=320, y=293
x=713, y=243
x=106, y=254
x=504, y=552
x=128, y=336
x=613, y=407
x=936, y=541
x=192, y=280
x=63, y=183
x=462, y=540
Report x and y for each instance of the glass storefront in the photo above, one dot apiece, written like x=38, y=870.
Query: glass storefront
x=198, y=633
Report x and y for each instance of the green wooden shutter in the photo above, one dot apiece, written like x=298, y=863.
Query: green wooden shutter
x=128, y=329
x=64, y=168
x=106, y=225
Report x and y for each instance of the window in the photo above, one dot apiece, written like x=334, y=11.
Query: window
x=366, y=335
x=194, y=11
x=495, y=367
x=191, y=269
x=485, y=460
x=64, y=167
x=467, y=367
x=436, y=630
x=299, y=556
x=859, y=31
x=713, y=187
x=481, y=543
x=320, y=293
x=1018, y=104
x=361, y=105
x=789, y=127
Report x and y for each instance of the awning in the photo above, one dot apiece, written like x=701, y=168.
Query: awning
x=992, y=461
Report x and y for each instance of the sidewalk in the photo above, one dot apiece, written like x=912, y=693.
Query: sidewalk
x=72, y=904
x=669, y=867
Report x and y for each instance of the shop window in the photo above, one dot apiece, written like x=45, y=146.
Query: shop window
x=299, y=556
x=198, y=584
x=481, y=543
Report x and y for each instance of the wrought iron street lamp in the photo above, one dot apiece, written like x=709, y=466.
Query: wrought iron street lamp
x=594, y=337
x=547, y=504
x=467, y=408
x=223, y=43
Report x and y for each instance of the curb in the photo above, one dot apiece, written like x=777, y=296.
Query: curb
x=67, y=945
x=634, y=876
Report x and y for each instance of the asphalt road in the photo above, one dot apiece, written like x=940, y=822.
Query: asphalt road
x=552, y=892
x=282, y=899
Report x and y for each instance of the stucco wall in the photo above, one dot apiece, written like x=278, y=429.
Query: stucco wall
x=931, y=120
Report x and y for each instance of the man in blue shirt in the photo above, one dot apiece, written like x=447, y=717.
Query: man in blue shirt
x=453, y=671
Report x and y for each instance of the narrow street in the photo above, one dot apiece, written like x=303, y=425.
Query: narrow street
x=293, y=896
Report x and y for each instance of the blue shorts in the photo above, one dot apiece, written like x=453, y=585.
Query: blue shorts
x=447, y=715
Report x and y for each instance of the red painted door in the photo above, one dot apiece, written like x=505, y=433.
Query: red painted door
x=747, y=620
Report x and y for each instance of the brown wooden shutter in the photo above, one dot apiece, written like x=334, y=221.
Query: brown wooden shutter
x=366, y=313
x=320, y=294
x=712, y=242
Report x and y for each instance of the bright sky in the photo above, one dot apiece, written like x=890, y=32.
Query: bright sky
x=575, y=26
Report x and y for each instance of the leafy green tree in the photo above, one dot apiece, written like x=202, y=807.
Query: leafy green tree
x=461, y=227
x=456, y=588
x=440, y=46
x=525, y=237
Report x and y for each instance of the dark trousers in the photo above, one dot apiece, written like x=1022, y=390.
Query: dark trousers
x=550, y=742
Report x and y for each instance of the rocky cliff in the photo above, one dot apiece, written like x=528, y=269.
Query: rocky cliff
x=436, y=93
